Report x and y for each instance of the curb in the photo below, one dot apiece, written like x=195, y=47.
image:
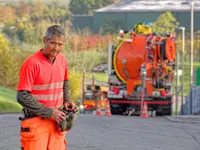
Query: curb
x=183, y=119
x=9, y=113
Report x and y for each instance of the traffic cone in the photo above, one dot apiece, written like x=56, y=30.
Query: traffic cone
x=108, y=112
x=144, y=113
x=98, y=108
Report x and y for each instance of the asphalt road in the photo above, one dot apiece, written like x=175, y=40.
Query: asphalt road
x=115, y=133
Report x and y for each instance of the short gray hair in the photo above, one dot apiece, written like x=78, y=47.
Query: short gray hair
x=55, y=30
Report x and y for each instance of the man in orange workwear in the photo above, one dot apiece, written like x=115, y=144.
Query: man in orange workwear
x=42, y=90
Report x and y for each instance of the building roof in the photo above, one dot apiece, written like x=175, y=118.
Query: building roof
x=151, y=5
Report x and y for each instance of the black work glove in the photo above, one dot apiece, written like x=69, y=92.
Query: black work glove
x=67, y=124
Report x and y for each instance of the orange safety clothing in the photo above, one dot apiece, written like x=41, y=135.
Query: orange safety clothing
x=41, y=134
x=44, y=79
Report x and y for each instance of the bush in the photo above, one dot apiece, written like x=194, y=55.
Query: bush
x=83, y=40
x=165, y=23
x=80, y=61
x=10, y=63
x=75, y=85
x=111, y=25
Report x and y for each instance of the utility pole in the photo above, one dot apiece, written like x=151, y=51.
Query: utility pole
x=83, y=87
x=191, y=54
x=182, y=66
x=183, y=69
x=177, y=81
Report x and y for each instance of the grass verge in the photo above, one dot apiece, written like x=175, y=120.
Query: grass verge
x=102, y=77
x=8, y=101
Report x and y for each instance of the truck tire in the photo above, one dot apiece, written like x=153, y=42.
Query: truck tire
x=158, y=113
x=164, y=110
x=117, y=110
x=167, y=112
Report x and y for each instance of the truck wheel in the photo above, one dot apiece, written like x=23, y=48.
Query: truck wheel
x=116, y=110
x=164, y=111
x=158, y=113
x=167, y=112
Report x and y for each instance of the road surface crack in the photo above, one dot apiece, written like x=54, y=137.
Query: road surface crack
x=192, y=136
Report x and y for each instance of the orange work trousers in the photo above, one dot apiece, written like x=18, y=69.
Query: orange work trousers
x=41, y=134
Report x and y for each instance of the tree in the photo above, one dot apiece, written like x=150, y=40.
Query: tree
x=23, y=10
x=37, y=9
x=3, y=43
x=87, y=6
x=75, y=84
x=7, y=14
x=165, y=23
x=55, y=14
x=107, y=2
x=10, y=61
x=111, y=25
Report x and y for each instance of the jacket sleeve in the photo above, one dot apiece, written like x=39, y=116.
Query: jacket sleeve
x=25, y=99
x=65, y=91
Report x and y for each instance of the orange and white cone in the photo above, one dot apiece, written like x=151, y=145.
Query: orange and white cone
x=108, y=112
x=144, y=113
x=98, y=108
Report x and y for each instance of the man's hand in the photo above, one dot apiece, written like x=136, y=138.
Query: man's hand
x=58, y=115
x=70, y=105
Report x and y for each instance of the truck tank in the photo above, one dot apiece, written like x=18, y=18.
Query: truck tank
x=141, y=61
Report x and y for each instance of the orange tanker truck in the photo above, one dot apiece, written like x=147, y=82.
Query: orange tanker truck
x=141, y=69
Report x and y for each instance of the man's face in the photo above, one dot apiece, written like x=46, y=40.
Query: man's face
x=53, y=46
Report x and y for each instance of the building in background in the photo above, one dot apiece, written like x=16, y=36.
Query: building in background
x=129, y=12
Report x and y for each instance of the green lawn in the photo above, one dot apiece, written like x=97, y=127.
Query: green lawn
x=8, y=101
x=102, y=77
x=187, y=77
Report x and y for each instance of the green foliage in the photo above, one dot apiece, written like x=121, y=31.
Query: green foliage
x=75, y=85
x=23, y=9
x=3, y=43
x=87, y=6
x=55, y=14
x=27, y=32
x=85, y=60
x=187, y=77
x=9, y=106
x=10, y=59
x=102, y=77
x=31, y=19
x=10, y=65
x=7, y=94
x=187, y=42
x=8, y=101
x=81, y=8
x=165, y=23
x=107, y=2
x=8, y=14
x=111, y=25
